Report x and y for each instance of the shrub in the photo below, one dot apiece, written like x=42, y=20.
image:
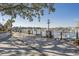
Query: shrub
x=76, y=42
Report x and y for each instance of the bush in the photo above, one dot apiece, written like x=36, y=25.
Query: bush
x=76, y=42
x=49, y=34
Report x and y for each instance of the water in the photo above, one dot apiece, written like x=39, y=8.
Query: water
x=71, y=35
x=65, y=35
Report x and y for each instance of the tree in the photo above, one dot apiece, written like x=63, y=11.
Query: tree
x=8, y=24
x=1, y=27
x=26, y=10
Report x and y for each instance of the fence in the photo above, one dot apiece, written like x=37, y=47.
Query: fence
x=57, y=35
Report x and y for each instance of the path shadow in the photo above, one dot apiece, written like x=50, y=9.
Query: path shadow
x=5, y=38
x=17, y=51
x=41, y=50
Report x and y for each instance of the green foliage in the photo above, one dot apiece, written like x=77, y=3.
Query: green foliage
x=76, y=42
x=26, y=10
x=8, y=24
x=29, y=32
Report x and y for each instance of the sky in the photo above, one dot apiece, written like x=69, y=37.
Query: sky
x=65, y=15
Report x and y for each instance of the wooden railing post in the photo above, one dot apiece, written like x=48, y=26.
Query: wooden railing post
x=77, y=34
x=61, y=36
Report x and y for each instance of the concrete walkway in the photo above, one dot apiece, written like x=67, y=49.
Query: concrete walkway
x=4, y=36
x=37, y=46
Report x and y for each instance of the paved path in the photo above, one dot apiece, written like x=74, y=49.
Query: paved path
x=37, y=46
x=4, y=36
